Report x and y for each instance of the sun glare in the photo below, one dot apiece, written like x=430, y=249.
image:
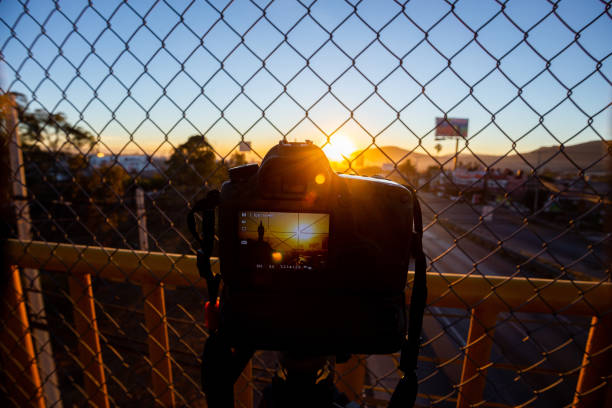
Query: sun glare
x=338, y=148
x=277, y=256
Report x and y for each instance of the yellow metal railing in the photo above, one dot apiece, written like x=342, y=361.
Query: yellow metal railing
x=485, y=298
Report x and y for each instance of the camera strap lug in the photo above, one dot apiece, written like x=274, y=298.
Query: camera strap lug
x=211, y=315
x=206, y=208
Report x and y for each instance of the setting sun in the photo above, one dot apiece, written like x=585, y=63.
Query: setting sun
x=339, y=147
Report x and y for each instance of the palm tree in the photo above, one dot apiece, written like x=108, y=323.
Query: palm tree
x=438, y=148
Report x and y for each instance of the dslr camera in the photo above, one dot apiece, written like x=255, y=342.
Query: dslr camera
x=311, y=259
x=311, y=262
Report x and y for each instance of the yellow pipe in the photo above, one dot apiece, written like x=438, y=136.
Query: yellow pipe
x=110, y=263
x=444, y=290
x=532, y=295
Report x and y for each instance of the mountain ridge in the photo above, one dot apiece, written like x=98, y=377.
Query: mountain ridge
x=594, y=156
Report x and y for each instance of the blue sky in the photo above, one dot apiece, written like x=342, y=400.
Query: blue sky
x=210, y=79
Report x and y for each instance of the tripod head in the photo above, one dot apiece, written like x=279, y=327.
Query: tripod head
x=304, y=380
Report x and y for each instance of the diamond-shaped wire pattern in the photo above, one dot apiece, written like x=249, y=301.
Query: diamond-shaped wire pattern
x=163, y=96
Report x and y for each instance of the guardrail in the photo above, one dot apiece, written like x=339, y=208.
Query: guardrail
x=484, y=296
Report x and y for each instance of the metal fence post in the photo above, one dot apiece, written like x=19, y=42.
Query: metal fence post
x=156, y=321
x=32, y=282
x=90, y=352
x=594, y=388
x=477, y=355
x=20, y=363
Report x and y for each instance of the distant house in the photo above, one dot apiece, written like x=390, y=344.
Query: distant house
x=133, y=164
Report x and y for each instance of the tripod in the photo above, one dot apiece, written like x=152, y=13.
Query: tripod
x=302, y=381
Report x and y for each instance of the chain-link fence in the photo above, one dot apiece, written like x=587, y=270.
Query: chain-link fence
x=117, y=116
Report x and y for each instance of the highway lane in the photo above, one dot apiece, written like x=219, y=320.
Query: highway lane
x=583, y=252
x=522, y=339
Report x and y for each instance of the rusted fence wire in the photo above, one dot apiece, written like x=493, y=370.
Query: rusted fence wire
x=118, y=115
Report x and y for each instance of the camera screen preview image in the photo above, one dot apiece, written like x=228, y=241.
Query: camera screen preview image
x=283, y=240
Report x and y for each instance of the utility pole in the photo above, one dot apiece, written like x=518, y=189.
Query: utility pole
x=156, y=320
x=31, y=277
x=456, y=151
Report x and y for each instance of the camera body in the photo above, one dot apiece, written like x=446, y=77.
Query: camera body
x=313, y=260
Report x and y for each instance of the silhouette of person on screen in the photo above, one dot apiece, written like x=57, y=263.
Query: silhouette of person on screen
x=260, y=251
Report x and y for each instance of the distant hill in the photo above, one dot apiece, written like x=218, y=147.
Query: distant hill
x=550, y=158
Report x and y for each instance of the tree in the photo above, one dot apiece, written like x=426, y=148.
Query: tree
x=237, y=159
x=408, y=171
x=105, y=183
x=51, y=131
x=99, y=201
x=62, y=182
x=438, y=148
x=432, y=171
x=54, y=150
x=193, y=164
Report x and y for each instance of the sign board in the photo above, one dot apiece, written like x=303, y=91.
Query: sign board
x=451, y=127
x=245, y=146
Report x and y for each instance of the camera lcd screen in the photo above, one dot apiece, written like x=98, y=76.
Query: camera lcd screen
x=283, y=240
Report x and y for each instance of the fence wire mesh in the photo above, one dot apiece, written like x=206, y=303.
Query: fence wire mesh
x=109, y=98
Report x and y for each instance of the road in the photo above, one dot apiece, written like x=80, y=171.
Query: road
x=554, y=246
x=552, y=343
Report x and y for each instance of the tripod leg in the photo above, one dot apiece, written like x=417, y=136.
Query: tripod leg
x=221, y=367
